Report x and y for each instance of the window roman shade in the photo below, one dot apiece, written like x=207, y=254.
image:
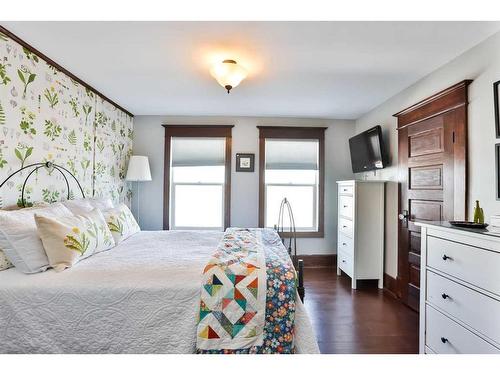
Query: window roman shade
x=292, y=154
x=189, y=151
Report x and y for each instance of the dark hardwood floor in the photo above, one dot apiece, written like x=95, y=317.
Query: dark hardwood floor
x=357, y=321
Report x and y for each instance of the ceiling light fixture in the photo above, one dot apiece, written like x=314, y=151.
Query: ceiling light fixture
x=228, y=73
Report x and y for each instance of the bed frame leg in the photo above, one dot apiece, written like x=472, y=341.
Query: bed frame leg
x=300, y=287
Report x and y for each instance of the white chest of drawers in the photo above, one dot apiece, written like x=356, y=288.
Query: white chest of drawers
x=459, y=291
x=360, y=234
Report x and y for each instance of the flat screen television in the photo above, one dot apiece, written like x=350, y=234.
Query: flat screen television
x=367, y=150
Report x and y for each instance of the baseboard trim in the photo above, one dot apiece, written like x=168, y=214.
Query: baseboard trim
x=390, y=285
x=319, y=260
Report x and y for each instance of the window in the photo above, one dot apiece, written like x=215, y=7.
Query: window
x=197, y=177
x=291, y=162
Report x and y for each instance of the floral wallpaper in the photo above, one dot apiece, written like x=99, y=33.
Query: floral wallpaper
x=45, y=115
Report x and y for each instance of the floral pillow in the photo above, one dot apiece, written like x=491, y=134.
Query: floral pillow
x=69, y=239
x=4, y=262
x=19, y=239
x=121, y=222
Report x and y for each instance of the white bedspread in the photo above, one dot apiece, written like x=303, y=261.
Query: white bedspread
x=140, y=297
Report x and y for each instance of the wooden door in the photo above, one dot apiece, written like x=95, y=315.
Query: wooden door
x=432, y=140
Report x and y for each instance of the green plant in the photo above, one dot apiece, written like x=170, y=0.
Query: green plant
x=115, y=224
x=52, y=129
x=100, y=169
x=2, y=115
x=85, y=163
x=107, y=239
x=30, y=55
x=23, y=155
x=71, y=166
x=51, y=96
x=27, y=121
x=54, y=69
x=87, y=142
x=73, y=102
x=72, y=137
x=27, y=196
x=100, y=145
x=4, y=79
x=77, y=241
x=3, y=162
x=89, y=93
x=50, y=196
x=86, y=109
x=26, y=78
x=100, y=119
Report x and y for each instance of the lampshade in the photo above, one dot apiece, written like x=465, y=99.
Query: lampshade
x=228, y=73
x=138, y=169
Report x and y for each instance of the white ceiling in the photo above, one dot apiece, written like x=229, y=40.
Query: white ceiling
x=300, y=69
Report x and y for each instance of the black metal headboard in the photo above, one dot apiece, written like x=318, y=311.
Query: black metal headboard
x=37, y=166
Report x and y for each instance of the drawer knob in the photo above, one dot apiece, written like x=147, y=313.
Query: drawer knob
x=444, y=340
x=344, y=226
x=344, y=244
x=345, y=206
x=444, y=295
x=343, y=260
x=446, y=257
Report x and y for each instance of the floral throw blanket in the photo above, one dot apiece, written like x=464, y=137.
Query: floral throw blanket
x=248, y=295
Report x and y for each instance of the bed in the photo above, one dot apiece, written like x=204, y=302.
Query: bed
x=140, y=297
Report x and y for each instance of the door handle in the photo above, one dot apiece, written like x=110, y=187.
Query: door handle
x=404, y=217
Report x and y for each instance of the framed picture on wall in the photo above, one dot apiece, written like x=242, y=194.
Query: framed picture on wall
x=245, y=162
x=496, y=98
x=497, y=170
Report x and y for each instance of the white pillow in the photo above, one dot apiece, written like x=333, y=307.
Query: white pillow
x=102, y=204
x=19, y=238
x=69, y=239
x=121, y=222
x=83, y=206
x=78, y=206
x=4, y=262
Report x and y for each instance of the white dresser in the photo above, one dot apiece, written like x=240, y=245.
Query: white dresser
x=360, y=234
x=459, y=290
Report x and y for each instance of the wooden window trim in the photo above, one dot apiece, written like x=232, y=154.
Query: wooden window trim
x=197, y=131
x=294, y=132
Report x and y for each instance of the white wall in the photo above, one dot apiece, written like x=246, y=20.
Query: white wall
x=482, y=64
x=149, y=140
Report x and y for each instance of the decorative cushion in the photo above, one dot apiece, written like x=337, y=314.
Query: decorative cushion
x=69, y=239
x=121, y=222
x=19, y=238
x=4, y=262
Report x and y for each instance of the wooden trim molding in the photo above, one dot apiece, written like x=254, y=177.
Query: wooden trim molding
x=390, y=285
x=319, y=260
x=293, y=132
x=196, y=131
x=51, y=62
x=447, y=111
x=450, y=98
